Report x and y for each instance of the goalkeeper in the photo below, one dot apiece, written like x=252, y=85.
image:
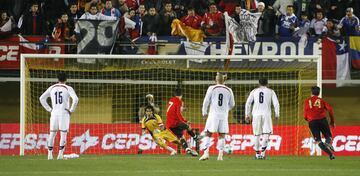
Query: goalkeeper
x=153, y=123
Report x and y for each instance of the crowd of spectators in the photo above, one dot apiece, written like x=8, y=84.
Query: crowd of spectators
x=57, y=18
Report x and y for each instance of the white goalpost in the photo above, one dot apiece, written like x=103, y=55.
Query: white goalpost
x=112, y=88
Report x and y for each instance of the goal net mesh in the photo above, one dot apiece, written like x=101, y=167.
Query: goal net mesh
x=111, y=91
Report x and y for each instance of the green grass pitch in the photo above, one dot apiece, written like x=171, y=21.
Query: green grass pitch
x=164, y=165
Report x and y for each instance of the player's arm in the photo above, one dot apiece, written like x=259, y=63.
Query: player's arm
x=43, y=98
x=248, y=103
x=276, y=104
x=160, y=122
x=206, y=102
x=331, y=113
x=306, y=109
x=232, y=100
x=143, y=128
x=75, y=99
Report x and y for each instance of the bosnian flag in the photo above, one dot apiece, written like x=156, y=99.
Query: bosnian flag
x=335, y=61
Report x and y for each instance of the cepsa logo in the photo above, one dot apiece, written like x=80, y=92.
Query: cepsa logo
x=11, y=52
x=348, y=143
x=32, y=141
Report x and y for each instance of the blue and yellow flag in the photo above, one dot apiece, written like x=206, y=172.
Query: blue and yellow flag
x=354, y=51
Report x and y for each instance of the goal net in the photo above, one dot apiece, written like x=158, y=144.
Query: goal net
x=112, y=88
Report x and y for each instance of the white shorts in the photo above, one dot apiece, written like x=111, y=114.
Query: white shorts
x=60, y=122
x=220, y=125
x=262, y=124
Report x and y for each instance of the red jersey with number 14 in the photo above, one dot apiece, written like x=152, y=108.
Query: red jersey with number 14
x=315, y=109
x=173, y=113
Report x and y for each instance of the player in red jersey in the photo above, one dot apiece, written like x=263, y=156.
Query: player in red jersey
x=315, y=113
x=176, y=122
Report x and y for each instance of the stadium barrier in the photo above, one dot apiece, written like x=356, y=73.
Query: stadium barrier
x=127, y=139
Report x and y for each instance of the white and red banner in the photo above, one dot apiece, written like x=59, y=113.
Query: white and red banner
x=12, y=47
x=127, y=139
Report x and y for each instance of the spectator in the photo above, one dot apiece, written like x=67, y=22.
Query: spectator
x=166, y=18
x=157, y=4
x=33, y=22
x=141, y=10
x=98, y=3
x=334, y=13
x=133, y=33
x=179, y=9
x=281, y=6
x=287, y=22
x=349, y=24
x=151, y=23
x=53, y=9
x=110, y=11
x=213, y=22
x=319, y=5
x=192, y=19
x=318, y=24
x=123, y=7
x=238, y=11
x=94, y=15
x=6, y=24
x=63, y=30
x=200, y=6
x=331, y=29
x=266, y=23
x=73, y=13
x=228, y=6
x=304, y=26
x=132, y=4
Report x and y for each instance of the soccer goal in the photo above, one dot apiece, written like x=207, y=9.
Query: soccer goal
x=111, y=88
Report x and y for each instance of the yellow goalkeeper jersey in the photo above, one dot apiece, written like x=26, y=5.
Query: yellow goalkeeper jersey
x=151, y=123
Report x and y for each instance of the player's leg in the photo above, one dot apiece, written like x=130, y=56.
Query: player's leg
x=222, y=129
x=210, y=127
x=257, y=131
x=54, y=125
x=159, y=139
x=64, y=123
x=267, y=130
x=315, y=130
x=325, y=130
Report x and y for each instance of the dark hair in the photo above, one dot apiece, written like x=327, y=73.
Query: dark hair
x=290, y=6
x=213, y=3
x=263, y=81
x=315, y=90
x=149, y=107
x=93, y=5
x=178, y=92
x=62, y=77
x=190, y=8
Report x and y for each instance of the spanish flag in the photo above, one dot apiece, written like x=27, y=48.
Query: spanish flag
x=354, y=51
x=179, y=28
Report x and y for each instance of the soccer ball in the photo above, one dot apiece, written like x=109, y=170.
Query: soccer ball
x=228, y=149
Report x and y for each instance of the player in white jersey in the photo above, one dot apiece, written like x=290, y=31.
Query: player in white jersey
x=220, y=98
x=60, y=94
x=261, y=99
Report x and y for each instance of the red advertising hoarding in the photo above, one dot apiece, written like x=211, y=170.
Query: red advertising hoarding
x=126, y=139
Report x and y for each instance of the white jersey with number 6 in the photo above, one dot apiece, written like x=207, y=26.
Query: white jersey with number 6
x=261, y=98
x=60, y=99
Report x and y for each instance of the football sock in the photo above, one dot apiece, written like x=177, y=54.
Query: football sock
x=170, y=149
x=184, y=143
x=257, y=142
x=51, y=140
x=207, y=144
x=62, y=139
x=324, y=148
x=264, y=142
x=221, y=144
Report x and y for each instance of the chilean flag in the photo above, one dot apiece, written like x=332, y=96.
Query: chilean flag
x=335, y=61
